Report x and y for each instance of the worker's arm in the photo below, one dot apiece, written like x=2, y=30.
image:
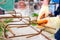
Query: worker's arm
x=46, y=2
x=44, y=11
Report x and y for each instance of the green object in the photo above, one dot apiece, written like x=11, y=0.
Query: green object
x=0, y=33
x=2, y=25
x=8, y=5
x=8, y=20
x=0, y=29
x=34, y=14
x=33, y=24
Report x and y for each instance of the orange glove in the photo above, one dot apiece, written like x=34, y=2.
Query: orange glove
x=41, y=23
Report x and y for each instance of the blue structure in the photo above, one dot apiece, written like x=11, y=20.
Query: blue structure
x=57, y=35
x=55, y=1
x=52, y=7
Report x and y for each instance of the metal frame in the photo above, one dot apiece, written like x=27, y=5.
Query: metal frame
x=28, y=24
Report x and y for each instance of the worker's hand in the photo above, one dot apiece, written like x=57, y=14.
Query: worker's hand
x=40, y=22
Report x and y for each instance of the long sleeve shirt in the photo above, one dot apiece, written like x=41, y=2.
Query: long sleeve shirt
x=44, y=10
